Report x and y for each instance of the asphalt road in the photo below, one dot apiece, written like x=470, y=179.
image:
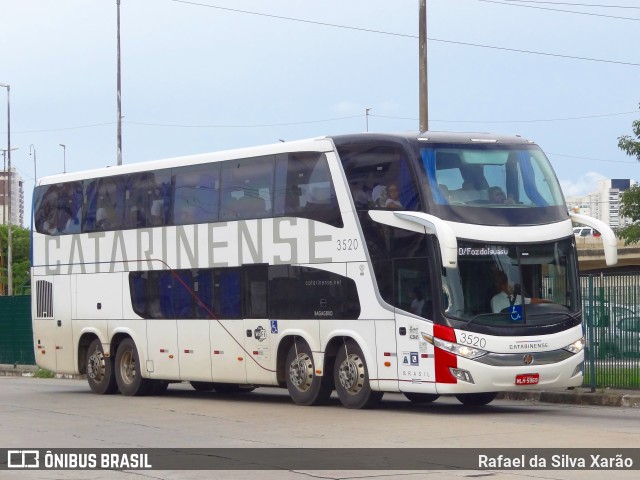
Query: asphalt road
x=59, y=413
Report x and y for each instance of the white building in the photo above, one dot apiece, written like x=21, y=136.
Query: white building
x=604, y=202
x=17, y=198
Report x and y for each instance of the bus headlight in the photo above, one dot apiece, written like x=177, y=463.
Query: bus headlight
x=575, y=347
x=455, y=348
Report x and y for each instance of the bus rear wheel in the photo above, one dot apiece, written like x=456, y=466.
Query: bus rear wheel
x=351, y=378
x=128, y=377
x=476, y=399
x=305, y=387
x=100, y=373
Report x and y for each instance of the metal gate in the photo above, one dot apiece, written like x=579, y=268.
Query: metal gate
x=16, y=331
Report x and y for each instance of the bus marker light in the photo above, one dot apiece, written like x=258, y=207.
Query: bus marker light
x=318, y=372
x=424, y=355
x=170, y=356
x=255, y=352
x=461, y=374
x=240, y=359
x=387, y=364
x=188, y=351
x=43, y=352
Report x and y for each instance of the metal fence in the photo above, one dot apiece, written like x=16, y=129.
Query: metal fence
x=16, y=331
x=611, y=307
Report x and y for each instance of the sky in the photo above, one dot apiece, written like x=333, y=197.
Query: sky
x=208, y=75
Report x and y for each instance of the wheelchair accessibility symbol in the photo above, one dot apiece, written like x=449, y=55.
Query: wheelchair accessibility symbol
x=516, y=313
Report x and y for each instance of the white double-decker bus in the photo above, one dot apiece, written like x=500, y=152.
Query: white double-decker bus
x=428, y=264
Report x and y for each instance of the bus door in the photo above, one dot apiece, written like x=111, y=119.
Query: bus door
x=63, y=331
x=258, y=328
x=413, y=294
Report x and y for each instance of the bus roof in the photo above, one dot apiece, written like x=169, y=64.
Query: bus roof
x=313, y=144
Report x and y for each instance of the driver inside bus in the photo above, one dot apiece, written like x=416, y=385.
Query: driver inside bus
x=507, y=296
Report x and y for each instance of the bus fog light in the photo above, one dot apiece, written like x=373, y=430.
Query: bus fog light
x=460, y=374
x=576, y=347
x=579, y=370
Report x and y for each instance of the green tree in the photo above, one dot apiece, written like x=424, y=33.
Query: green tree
x=20, y=253
x=628, y=144
x=630, y=200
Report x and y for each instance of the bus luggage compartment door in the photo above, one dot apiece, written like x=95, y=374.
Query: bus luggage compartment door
x=63, y=330
x=416, y=371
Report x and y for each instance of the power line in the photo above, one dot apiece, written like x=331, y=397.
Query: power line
x=243, y=126
x=572, y=4
x=467, y=44
x=586, y=117
x=304, y=122
x=588, y=158
x=511, y=4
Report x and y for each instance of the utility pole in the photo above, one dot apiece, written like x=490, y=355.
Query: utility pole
x=119, y=94
x=366, y=115
x=422, y=48
x=9, y=240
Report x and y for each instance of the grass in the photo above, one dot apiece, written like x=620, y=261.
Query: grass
x=42, y=373
x=619, y=377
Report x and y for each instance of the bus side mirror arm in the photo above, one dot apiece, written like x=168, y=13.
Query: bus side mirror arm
x=418, y=221
x=609, y=242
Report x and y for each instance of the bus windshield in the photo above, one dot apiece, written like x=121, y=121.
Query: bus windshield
x=491, y=183
x=511, y=284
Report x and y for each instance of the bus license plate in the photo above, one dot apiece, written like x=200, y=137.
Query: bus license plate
x=528, y=379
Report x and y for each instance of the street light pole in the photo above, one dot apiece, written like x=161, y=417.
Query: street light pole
x=119, y=94
x=64, y=157
x=35, y=174
x=366, y=114
x=4, y=169
x=9, y=240
x=423, y=94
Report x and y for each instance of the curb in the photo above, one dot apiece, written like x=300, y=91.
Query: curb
x=577, y=397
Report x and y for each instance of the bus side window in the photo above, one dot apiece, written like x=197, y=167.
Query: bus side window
x=196, y=194
x=46, y=210
x=147, y=199
x=304, y=188
x=104, y=204
x=247, y=188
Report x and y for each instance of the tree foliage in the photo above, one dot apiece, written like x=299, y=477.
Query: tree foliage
x=630, y=208
x=630, y=200
x=20, y=253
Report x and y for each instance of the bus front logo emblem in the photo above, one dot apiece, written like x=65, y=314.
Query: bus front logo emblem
x=527, y=359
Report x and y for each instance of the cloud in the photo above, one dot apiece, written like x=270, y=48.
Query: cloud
x=582, y=185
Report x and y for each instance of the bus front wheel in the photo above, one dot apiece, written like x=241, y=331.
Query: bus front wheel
x=100, y=373
x=351, y=378
x=128, y=377
x=305, y=387
x=476, y=399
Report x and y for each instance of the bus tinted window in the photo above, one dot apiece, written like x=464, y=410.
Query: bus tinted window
x=247, y=188
x=59, y=208
x=303, y=188
x=251, y=291
x=379, y=177
x=147, y=199
x=104, y=205
x=196, y=194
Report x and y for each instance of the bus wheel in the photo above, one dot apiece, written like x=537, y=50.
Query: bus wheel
x=100, y=370
x=421, y=397
x=352, y=378
x=130, y=381
x=476, y=399
x=202, y=386
x=305, y=387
